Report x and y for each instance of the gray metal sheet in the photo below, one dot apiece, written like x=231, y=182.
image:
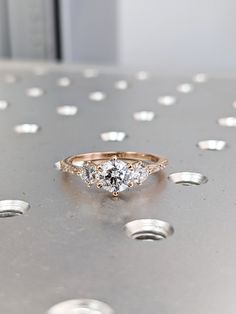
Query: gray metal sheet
x=71, y=243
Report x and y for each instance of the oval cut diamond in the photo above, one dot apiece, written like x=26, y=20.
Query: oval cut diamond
x=114, y=175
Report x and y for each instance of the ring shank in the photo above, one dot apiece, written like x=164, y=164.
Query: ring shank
x=155, y=163
x=122, y=155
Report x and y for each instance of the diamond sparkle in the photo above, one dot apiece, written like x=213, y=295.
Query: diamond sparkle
x=114, y=175
x=140, y=173
x=88, y=174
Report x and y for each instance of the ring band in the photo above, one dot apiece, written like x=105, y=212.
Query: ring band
x=113, y=171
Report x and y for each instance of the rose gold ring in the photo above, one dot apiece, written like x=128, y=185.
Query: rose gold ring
x=113, y=171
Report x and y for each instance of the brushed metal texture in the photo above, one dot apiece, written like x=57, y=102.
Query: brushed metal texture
x=71, y=243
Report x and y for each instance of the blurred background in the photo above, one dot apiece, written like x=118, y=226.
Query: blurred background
x=174, y=37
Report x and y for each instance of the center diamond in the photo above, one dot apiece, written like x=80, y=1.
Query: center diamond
x=114, y=175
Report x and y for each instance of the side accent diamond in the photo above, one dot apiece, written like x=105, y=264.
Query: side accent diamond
x=140, y=173
x=88, y=173
x=57, y=165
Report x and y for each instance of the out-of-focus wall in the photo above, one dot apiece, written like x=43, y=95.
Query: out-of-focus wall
x=27, y=29
x=89, y=30
x=176, y=36
x=4, y=30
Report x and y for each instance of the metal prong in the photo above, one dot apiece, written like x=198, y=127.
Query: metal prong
x=115, y=194
x=99, y=168
x=99, y=185
x=114, y=158
x=130, y=167
x=130, y=184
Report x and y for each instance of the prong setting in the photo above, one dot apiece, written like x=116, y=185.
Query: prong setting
x=99, y=185
x=113, y=172
x=114, y=175
x=130, y=166
x=130, y=184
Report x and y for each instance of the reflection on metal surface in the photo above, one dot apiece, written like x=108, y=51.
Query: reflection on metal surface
x=3, y=104
x=142, y=75
x=122, y=85
x=185, y=88
x=166, y=100
x=27, y=128
x=228, y=122
x=113, y=136
x=148, y=229
x=67, y=110
x=97, y=96
x=90, y=73
x=212, y=145
x=10, y=78
x=144, y=115
x=64, y=81
x=200, y=78
x=40, y=71
x=81, y=306
x=34, y=92
x=12, y=208
x=114, y=209
x=188, y=178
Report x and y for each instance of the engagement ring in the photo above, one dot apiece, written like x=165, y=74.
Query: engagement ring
x=113, y=171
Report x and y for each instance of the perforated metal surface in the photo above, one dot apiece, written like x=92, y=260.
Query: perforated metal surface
x=71, y=243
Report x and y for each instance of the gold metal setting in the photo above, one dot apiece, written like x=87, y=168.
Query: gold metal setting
x=123, y=169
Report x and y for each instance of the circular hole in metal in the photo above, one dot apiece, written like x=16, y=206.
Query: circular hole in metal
x=188, y=178
x=12, y=208
x=67, y=110
x=97, y=96
x=228, y=121
x=144, y=115
x=34, y=92
x=148, y=229
x=63, y=81
x=27, y=128
x=39, y=71
x=142, y=75
x=212, y=145
x=166, y=100
x=200, y=78
x=113, y=136
x=185, y=88
x=121, y=85
x=3, y=104
x=90, y=73
x=10, y=78
x=81, y=306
